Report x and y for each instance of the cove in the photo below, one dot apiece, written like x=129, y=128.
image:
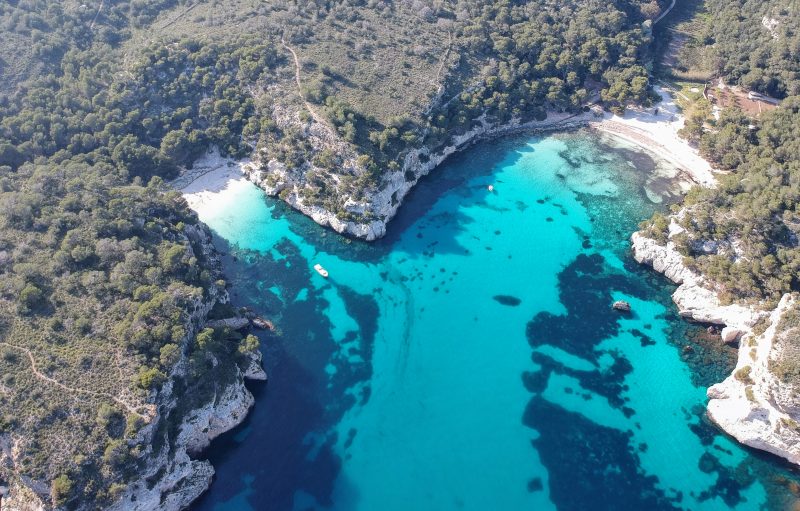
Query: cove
x=471, y=360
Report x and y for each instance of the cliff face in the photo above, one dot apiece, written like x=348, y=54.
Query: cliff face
x=381, y=203
x=171, y=479
x=168, y=478
x=752, y=404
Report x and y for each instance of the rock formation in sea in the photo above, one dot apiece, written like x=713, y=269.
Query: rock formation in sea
x=753, y=405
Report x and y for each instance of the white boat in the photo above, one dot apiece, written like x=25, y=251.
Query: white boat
x=322, y=271
x=490, y=188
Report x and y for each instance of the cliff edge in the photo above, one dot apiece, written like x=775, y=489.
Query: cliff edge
x=753, y=404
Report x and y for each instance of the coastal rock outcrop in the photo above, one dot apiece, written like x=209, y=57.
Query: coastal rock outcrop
x=383, y=202
x=751, y=404
x=695, y=301
x=172, y=479
x=236, y=323
x=168, y=479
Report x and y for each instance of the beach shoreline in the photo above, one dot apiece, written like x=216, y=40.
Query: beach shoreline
x=656, y=134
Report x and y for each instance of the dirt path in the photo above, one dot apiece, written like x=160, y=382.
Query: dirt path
x=42, y=376
x=102, y=3
x=661, y=16
x=440, y=86
x=318, y=118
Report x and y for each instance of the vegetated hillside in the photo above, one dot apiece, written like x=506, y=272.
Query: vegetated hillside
x=390, y=77
x=102, y=268
x=752, y=43
x=36, y=33
x=757, y=44
x=743, y=234
x=785, y=365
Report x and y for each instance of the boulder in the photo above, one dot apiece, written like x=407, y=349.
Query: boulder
x=236, y=323
x=622, y=306
x=730, y=334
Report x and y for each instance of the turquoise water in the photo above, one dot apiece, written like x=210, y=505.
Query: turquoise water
x=470, y=360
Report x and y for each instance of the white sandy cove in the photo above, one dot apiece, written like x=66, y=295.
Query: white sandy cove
x=209, y=177
x=659, y=135
x=202, y=186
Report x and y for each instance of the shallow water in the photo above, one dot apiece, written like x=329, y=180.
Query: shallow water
x=470, y=360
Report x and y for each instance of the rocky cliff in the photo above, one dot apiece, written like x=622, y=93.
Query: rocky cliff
x=169, y=479
x=752, y=404
x=172, y=479
x=380, y=203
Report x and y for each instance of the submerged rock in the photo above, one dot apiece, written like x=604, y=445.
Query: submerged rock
x=622, y=306
x=511, y=301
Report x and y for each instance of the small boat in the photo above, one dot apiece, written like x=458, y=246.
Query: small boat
x=322, y=271
x=490, y=188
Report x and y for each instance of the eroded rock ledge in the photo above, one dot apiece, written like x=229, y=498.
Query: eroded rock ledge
x=751, y=404
x=173, y=479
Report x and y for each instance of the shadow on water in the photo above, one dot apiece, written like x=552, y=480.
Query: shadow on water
x=581, y=481
x=454, y=175
x=295, y=411
x=283, y=454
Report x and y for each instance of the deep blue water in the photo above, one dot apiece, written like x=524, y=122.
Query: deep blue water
x=470, y=360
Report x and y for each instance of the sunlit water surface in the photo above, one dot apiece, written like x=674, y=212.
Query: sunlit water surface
x=470, y=360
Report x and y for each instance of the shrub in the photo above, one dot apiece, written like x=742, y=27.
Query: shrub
x=60, y=489
x=743, y=375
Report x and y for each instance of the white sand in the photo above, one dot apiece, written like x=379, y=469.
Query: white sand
x=211, y=177
x=659, y=135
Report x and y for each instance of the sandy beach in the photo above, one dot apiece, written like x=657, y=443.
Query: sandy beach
x=203, y=184
x=658, y=133
x=211, y=175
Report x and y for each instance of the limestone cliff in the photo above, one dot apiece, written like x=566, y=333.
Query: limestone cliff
x=380, y=203
x=169, y=479
x=752, y=405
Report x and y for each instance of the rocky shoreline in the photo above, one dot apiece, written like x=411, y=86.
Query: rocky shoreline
x=754, y=423
x=384, y=203
x=653, y=129
x=751, y=405
x=171, y=477
x=174, y=478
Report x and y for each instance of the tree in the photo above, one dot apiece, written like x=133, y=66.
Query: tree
x=30, y=298
x=249, y=344
x=61, y=489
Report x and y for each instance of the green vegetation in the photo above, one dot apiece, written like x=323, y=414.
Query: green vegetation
x=786, y=365
x=100, y=265
x=102, y=268
x=743, y=375
x=752, y=43
x=756, y=44
x=751, y=219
